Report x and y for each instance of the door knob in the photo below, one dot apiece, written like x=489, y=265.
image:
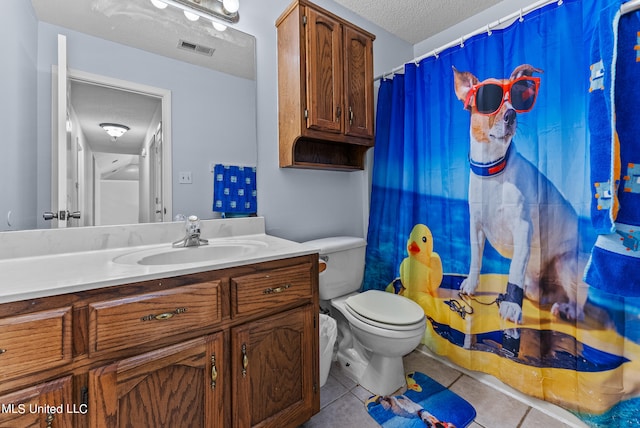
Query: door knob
x=48, y=215
x=62, y=215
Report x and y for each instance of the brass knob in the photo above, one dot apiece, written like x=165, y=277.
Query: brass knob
x=245, y=360
x=276, y=290
x=214, y=372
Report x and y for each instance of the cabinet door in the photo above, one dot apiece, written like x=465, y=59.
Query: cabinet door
x=358, y=59
x=274, y=370
x=177, y=386
x=48, y=404
x=324, y=72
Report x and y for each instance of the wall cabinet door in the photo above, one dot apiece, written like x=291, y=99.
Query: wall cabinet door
x=175, y=386
x=324, y=76
x=273, y=366
x=358, y=82
x=47, y=405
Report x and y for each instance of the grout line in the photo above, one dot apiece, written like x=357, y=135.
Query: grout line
x=524, y=417
x=456, y=380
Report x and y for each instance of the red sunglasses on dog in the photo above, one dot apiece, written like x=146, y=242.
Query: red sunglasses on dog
x=488, y=97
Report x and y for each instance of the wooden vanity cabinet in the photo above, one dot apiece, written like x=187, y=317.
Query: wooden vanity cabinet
x=47, y=404
x=236, y=347
x=325, y=89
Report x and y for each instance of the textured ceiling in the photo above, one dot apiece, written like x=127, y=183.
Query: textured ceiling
x=416, y=20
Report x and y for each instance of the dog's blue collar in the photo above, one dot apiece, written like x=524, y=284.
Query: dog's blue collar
x=490, y=169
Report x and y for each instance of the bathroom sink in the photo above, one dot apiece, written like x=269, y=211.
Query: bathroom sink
x=214, y=251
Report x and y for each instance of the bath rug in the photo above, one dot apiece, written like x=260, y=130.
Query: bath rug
x=425, y=403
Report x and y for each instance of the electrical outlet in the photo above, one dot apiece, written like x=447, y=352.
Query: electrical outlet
x=184, y=177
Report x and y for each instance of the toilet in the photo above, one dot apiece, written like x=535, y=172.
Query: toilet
x=375, y=328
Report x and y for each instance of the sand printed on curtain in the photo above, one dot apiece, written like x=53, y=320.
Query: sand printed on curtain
x=506, y=203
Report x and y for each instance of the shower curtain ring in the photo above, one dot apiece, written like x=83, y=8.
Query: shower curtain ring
x=488, y=30
x=436, y=54
x=560, y=2
x=521, y=18
x=461, y=42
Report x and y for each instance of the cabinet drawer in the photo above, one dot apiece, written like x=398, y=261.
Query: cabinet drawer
x=271, y=289
x=35, y=342
x=130, y=321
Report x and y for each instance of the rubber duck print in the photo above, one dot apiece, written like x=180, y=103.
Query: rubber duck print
x=421, y=271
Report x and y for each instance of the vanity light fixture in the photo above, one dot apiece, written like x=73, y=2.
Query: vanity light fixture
x=218, y=26
x=115, y=130
x=191, y=16
x=213, y=10
x=159, y=4
x=231, y=6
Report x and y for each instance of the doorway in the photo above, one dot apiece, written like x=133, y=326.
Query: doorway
x=119, y=180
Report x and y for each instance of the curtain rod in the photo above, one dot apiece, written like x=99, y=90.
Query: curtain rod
x=625, y=8
x=486, y=29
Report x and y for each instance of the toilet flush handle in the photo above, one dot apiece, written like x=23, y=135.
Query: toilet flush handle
x=322, y=263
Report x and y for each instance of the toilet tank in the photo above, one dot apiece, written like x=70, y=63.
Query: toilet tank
x=344, y=260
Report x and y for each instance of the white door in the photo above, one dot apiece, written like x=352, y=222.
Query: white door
x=64, y=200
x=158, y=205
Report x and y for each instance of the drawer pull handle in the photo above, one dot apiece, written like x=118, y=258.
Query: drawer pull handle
x=276, y=290
x=245, y=360
x=214, y=372
x=163, y=316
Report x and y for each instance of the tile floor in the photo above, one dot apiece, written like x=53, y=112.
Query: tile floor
x=497, y=405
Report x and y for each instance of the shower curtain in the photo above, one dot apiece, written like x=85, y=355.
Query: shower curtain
x=495, y=189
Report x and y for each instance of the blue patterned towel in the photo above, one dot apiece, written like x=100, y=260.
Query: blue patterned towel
x=234, y=189
x=604, y=145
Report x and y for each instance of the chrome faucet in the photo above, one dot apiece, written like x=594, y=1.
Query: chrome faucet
x=192, y=235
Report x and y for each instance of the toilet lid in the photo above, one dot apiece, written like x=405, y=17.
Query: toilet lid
x=386, y=308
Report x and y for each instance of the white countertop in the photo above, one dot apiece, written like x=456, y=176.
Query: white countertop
x=29, y=277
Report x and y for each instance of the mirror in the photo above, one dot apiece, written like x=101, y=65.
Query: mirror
x=210, y=75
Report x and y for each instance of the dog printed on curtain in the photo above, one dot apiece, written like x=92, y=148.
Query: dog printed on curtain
x=499, y=205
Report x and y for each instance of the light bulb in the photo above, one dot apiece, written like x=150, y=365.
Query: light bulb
x=159, y=4
x=231, y=6
x=191, y=16
x=218, y=26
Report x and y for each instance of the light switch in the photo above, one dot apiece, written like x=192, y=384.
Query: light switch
x=184, y=177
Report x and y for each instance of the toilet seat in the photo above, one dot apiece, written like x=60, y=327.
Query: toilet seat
x=385, y=310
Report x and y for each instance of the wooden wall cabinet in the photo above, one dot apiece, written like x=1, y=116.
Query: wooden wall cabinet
x=236, y=347
x=325, y=89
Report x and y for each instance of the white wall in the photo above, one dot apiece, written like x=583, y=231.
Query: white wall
x=118, y=202
x=18, y=170
x=306, y=204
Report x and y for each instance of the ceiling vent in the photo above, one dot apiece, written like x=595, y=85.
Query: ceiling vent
x=194, y=47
